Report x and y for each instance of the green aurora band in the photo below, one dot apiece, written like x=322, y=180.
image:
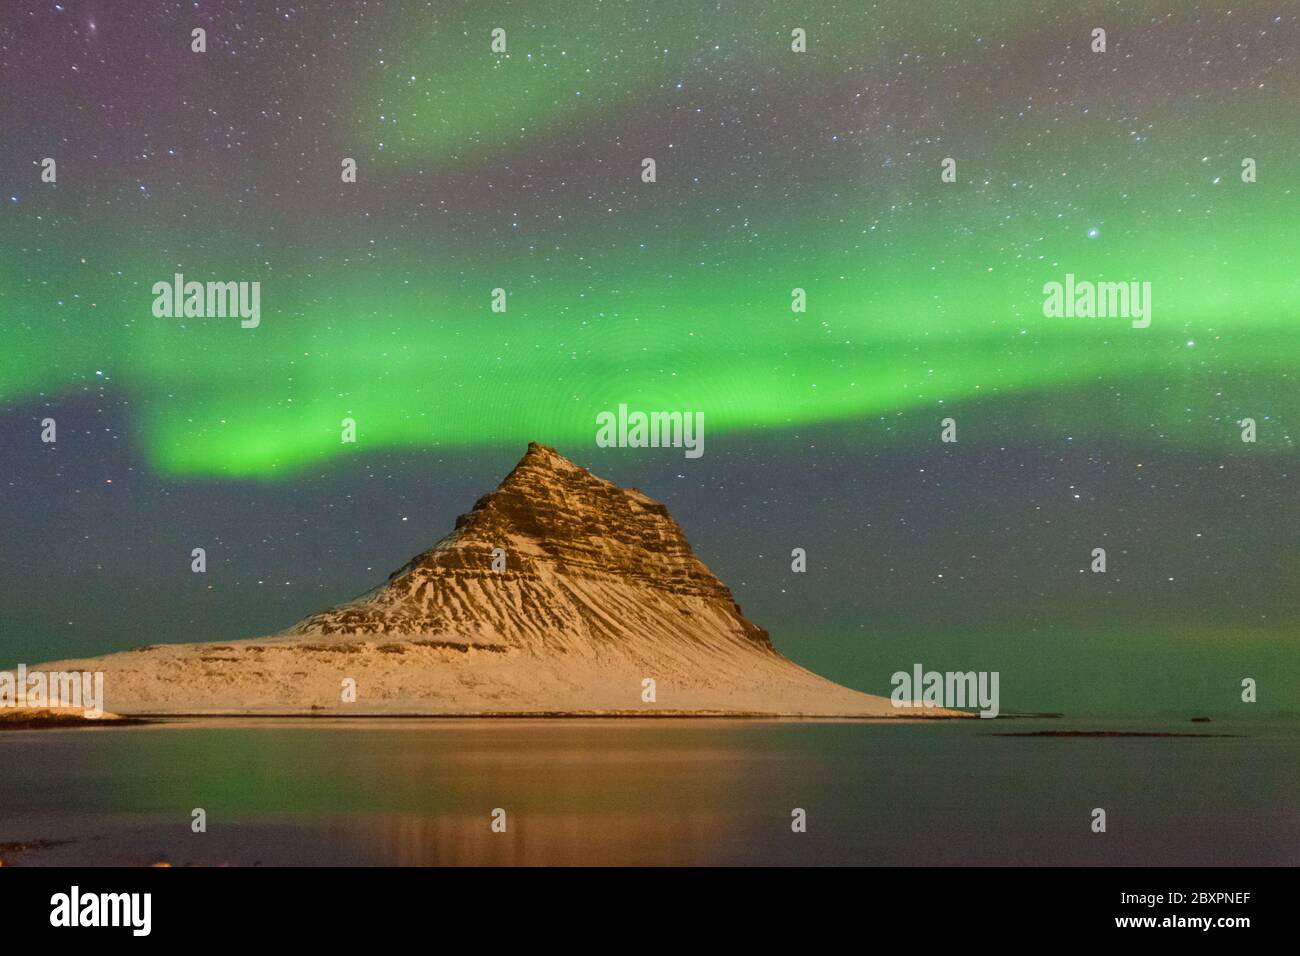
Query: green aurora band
x=676, y=295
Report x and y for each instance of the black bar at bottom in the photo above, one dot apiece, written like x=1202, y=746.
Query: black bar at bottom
x=923, y=905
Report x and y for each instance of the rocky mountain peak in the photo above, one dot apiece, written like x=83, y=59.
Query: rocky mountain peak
x=599, y=596
x=557, y=534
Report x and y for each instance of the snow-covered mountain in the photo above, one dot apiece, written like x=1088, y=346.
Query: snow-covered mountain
x=558, y=593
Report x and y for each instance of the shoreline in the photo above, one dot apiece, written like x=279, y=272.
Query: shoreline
x=51, y=718
x=52, y=721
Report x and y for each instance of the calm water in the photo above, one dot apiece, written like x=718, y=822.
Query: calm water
x=415, y=792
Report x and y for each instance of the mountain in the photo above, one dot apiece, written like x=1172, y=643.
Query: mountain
x=558, y=593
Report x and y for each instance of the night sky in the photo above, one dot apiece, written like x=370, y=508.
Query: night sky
x=775, y=170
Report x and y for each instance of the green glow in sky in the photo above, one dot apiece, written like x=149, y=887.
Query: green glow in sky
x=776, y=171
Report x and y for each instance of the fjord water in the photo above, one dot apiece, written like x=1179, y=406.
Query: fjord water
x=422, y=792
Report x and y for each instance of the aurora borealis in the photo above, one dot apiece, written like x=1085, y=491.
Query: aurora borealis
x=775, y=170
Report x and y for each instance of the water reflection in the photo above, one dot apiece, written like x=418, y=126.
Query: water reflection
x=418, y=793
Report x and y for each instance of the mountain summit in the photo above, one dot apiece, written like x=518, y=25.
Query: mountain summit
x=557, y=593
x=553, y=559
